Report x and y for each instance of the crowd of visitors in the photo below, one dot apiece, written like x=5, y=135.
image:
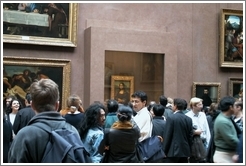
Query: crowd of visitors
x=112, y=131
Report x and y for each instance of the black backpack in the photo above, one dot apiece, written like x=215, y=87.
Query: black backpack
x=64, y=146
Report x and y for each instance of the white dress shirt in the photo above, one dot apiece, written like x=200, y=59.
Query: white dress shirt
x=144, y=122
x=200, y=120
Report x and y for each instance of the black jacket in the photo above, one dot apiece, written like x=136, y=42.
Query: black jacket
x=122, y=140
x=7, y=138
x=159, y=125
x=22, y=118
x=178, y=135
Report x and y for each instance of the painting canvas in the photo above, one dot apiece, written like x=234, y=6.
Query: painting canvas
x=40, y=23
x=231, y=38
x=19, y=73
x=152, y=67
x=122, y=88
x=208, y=91
x=236, y=87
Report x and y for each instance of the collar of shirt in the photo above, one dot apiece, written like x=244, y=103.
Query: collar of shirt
x=195, y=115
x=176, y=111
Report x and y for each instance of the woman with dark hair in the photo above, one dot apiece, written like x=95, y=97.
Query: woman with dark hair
x=11, y=111
x=91, y=131
x=122, y=138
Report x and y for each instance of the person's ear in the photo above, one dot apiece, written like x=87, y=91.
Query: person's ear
x=33, y=108
x=145, y=102
x=57, y=105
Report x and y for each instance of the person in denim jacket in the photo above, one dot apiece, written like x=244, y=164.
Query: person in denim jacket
x=91, y=130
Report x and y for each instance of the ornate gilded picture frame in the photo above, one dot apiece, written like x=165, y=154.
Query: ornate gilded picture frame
x=19, y=73
x=213, y=90
x=231, y=38
x=41, y=24
x=235, y=87
x=122, y=87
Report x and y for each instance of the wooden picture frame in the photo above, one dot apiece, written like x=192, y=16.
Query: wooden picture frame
x=128, y=88
x=231, y=38
x=214, y=90
x=33, y=28
x=56, y=69
x=235, y=86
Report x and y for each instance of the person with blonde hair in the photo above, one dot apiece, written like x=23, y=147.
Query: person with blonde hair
x=199, y=122
x=74, y=114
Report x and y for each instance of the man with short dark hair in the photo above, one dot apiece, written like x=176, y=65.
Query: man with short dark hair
x=178, y=134
x=143, y=116
x=8, y=101
x=112, y=106
x=225, y=134
x=207, y=101
x=159, y=124
x=163, y=101
x=30, y=143
x=24, y=115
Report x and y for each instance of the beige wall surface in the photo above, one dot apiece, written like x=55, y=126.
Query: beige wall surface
x=187, y=31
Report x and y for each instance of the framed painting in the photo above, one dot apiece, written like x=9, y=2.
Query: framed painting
x=40, y=23
x=19, y=73
x=231, y=38
x=236, y=87
x=122, y=87
x=208, y=91
x=152, y=68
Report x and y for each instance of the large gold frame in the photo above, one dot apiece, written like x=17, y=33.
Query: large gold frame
x=41, y=62
x=116, y=79
x=71, y=41
x=223, y=62
x=197, y=85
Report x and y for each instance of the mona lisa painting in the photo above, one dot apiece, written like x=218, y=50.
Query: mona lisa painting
x=122, y=88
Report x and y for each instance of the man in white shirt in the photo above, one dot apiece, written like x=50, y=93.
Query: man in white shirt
x=199, y=120
x=143, y=116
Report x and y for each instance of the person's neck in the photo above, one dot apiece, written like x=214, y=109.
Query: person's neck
x=239, y=115
x=195, y=111
x=14, y=111
x=140, y=109
x=227, y=113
